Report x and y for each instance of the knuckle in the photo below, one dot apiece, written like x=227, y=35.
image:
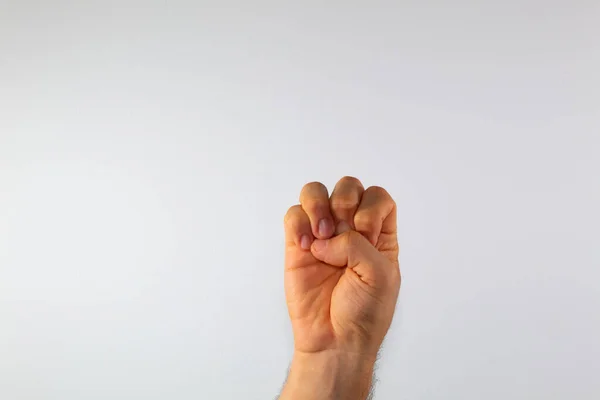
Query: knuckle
x=350, y=180
x=313, y=187
x=291, y=214
x=365, y=219
x=380, y=193
x=344, y=203
x=313, y=192
x=383, y=198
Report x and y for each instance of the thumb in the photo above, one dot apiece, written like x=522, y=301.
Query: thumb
x=353, y=250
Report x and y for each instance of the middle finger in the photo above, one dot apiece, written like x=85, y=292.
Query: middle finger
x=314, y=200
x=344, y=202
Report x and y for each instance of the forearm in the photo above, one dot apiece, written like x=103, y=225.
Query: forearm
x=329, y=376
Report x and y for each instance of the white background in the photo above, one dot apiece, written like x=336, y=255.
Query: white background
x=149, y=150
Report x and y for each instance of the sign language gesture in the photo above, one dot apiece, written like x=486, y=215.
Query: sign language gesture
x=342, y=276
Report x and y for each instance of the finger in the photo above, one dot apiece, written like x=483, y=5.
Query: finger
x=297, y=228
x=315, y=202
x=344, y=202
x=353, y=250
x=376, y=214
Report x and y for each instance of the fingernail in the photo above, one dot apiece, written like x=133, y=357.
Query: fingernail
x=305, y=242
x=342, y=227
x=319, y=245
x=325, y=227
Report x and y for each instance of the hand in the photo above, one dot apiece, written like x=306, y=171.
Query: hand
x=342, y=276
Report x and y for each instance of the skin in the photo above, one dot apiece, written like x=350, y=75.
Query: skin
x=342, y=280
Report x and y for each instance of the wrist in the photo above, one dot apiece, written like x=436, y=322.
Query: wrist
x=329, y=375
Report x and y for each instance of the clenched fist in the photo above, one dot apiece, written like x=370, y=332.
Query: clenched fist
x=342, y=280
